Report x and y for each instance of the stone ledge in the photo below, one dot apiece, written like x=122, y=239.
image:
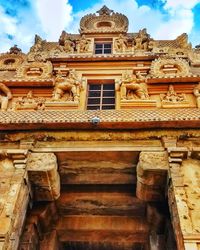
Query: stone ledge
x=112, y=119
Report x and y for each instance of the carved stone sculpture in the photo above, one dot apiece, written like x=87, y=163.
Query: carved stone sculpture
x=38, y=44
x=67, y=88
x=182, y=41
x=142, y=40
x=29, y=102
x=83, y=45
x=11, y=61
x=35, y=70
x=121, y=43
x=69, y=45
x=196, y=92
x=166, y=66
x=5, y=97
x=106, y=21
x=134, y=87
x=172, y=97
x=15, y=50
x=37, y=52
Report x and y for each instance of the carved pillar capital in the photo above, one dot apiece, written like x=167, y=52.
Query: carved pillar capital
x=43, y=175
x=152, y=175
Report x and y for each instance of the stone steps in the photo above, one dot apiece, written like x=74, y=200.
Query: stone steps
x=100, y=203
x=102, y=232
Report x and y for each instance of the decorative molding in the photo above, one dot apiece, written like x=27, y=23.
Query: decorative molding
x=171, y=67
x=106, y=22
x=11, y=61
x=33, y=70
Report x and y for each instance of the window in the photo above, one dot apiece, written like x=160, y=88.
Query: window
x=103, y=46
x=101, y=95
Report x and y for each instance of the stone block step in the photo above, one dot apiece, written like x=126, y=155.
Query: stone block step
x=102, y=232
x=100, y=203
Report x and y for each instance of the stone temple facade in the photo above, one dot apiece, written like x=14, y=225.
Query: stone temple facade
x=100, y=141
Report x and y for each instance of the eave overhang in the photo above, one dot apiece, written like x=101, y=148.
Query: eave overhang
x=113, y=120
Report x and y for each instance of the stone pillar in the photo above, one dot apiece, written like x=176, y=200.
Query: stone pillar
x=14, y=197
x=184, y=198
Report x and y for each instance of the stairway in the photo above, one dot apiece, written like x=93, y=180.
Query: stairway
x=99, y=214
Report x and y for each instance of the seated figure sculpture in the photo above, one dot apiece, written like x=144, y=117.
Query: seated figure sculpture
x=133, y=87
x=67, y=85
x=5, y=97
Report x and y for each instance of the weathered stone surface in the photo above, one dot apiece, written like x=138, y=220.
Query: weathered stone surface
x=42, y=173
x=152, y=175
x=14, y=197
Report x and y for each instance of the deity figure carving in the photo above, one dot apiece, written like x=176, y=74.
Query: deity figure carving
x=134, y=87
x=142, y=40
x=7, y=95
x=121, y=43
x=15, y=50
x=69, y=85
x=83, y=44
x=172, y=97
x=196, y=92
x=69, y=45
x=29, y=102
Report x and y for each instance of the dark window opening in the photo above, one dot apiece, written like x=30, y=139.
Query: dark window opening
x=103, y=48
x=101, y=96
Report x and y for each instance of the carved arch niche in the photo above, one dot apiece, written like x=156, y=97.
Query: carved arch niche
x=35, y=70
x=169, y=67
x=11, y=61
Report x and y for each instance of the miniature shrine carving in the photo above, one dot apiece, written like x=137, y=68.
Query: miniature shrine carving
x=67, y=88
x=5, y=96
x=133, y=87
x=29, y=102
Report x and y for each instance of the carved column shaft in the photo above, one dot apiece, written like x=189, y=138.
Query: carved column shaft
x=14, y=198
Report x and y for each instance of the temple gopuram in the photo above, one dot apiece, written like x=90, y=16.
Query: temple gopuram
x=100, y=141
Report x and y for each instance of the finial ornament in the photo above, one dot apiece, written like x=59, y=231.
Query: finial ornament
x=105, y=11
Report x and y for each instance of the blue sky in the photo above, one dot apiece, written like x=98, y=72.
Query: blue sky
x=20, y=20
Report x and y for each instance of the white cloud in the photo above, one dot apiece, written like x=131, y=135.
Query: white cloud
x=54, y=15
x=48, y=18
x=177, y=19
x=172, y=5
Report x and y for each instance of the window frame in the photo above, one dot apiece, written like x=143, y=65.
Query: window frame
x=102, y=97
x=103, y=42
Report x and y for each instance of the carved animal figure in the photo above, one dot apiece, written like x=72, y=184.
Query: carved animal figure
x=134, y=87
x=69, y=84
